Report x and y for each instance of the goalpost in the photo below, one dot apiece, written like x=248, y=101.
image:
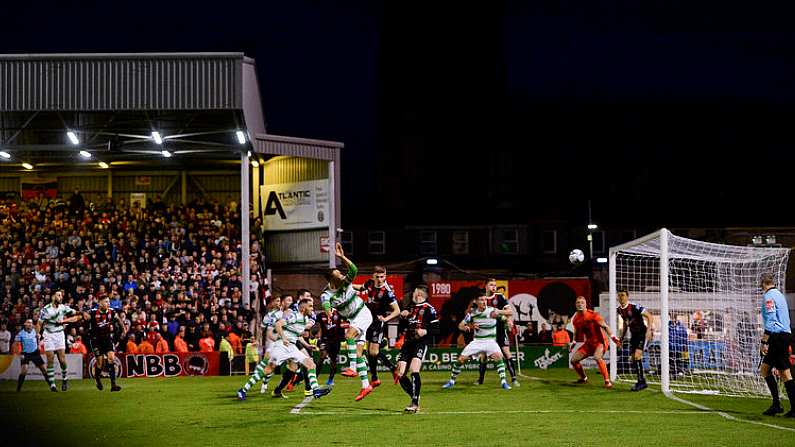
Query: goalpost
x=705, y=302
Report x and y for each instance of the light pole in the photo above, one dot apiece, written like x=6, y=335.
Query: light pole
x=591, y=227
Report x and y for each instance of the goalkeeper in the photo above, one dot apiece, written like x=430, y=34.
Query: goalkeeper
x=775, y=345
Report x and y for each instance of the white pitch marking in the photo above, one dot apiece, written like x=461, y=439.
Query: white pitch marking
x=510, y=412
x=725, y=415
x=297, y=409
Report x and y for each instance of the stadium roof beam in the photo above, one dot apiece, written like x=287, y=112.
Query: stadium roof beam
x=127, y=96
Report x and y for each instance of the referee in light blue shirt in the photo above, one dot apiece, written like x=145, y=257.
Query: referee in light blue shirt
x=29, y=340
x=775, y=345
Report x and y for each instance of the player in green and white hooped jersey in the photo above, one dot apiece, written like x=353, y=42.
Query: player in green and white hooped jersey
x=482, y=320
x=278, y=305
x=289, y=328
x=52, y=319
x=341, y=295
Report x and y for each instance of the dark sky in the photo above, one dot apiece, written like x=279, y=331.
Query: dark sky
x=663, y=113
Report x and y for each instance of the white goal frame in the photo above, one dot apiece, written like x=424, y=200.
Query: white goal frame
x=663, y=235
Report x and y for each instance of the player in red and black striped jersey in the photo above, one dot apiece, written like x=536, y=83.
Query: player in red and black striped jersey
x=332, y=334
x=499, y=302
x=382, y=302
x=101, y=323
x=421, y=322
x=637, y=320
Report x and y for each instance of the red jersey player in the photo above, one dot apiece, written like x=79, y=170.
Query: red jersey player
x=590, y=328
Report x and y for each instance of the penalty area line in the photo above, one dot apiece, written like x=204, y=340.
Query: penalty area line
x=297, y=409
x=725, y=415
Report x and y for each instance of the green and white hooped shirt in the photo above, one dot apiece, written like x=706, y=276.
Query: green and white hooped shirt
x=487, y=325
x=50, y=315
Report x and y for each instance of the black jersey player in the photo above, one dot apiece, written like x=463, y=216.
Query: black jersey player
x=637, y=320
x=421, y=322
x=332, y=334
x=381, y=300
x=101, y=322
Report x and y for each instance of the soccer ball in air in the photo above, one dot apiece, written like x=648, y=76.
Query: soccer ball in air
x=576, y=256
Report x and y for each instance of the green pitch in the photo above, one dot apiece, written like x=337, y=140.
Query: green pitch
x=546, y=410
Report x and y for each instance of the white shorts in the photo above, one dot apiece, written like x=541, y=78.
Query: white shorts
x=362, y=322
x=483, y=345
x=279, y=353
x=54, y=341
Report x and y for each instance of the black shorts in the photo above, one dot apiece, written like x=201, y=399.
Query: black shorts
x=778, y=351
x=503, y=339
x=375, y=333
x=330, y=347
x=34, y=357
x=413, y=349
x=637, y=340
x=101, y=346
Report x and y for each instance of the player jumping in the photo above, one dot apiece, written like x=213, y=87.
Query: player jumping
x=341, y=295
x=482, y=320
x=638, y=320
x=421, y=323
x=100, y=330
x=52, y=320
x=383, y=306
x=590, y=328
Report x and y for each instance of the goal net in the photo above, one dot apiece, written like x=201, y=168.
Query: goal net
x=704, y=300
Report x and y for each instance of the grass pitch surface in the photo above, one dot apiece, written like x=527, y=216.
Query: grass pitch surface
x=548, y=409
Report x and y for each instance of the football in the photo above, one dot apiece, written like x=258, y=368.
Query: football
x=576, y=256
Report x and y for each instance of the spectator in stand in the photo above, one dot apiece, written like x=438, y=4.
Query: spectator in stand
x=5, y=339
x=145, y=347
x=78, y=347
x=179, y=341
x=132, y=348
x=235, y=341
x=544, y=335
x=162, y=345
x=207, y=342
x=561, y=336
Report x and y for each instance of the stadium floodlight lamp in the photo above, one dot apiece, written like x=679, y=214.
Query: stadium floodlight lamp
x=431, y=261
x=241, y=137
x=5, y=155
x=27, y=166
x=73, y=137
x=157, y=137
x=770, y=239
x=165, y=153
x=255, y=163
x=103, y=165
x=85, y=154
x=592, y=226
x=601, y=260
x=757, y=240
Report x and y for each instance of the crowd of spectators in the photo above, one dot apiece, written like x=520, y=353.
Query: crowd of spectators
x=173, y=271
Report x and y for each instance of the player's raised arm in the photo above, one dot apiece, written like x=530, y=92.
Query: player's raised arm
x=607, y=330
x=464, y=324
x=352, y=269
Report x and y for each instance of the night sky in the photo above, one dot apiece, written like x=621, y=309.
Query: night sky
x=672, y=115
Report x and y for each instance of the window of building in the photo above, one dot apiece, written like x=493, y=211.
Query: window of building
x=428, y=245
x=376, y=242
x=460, y=242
